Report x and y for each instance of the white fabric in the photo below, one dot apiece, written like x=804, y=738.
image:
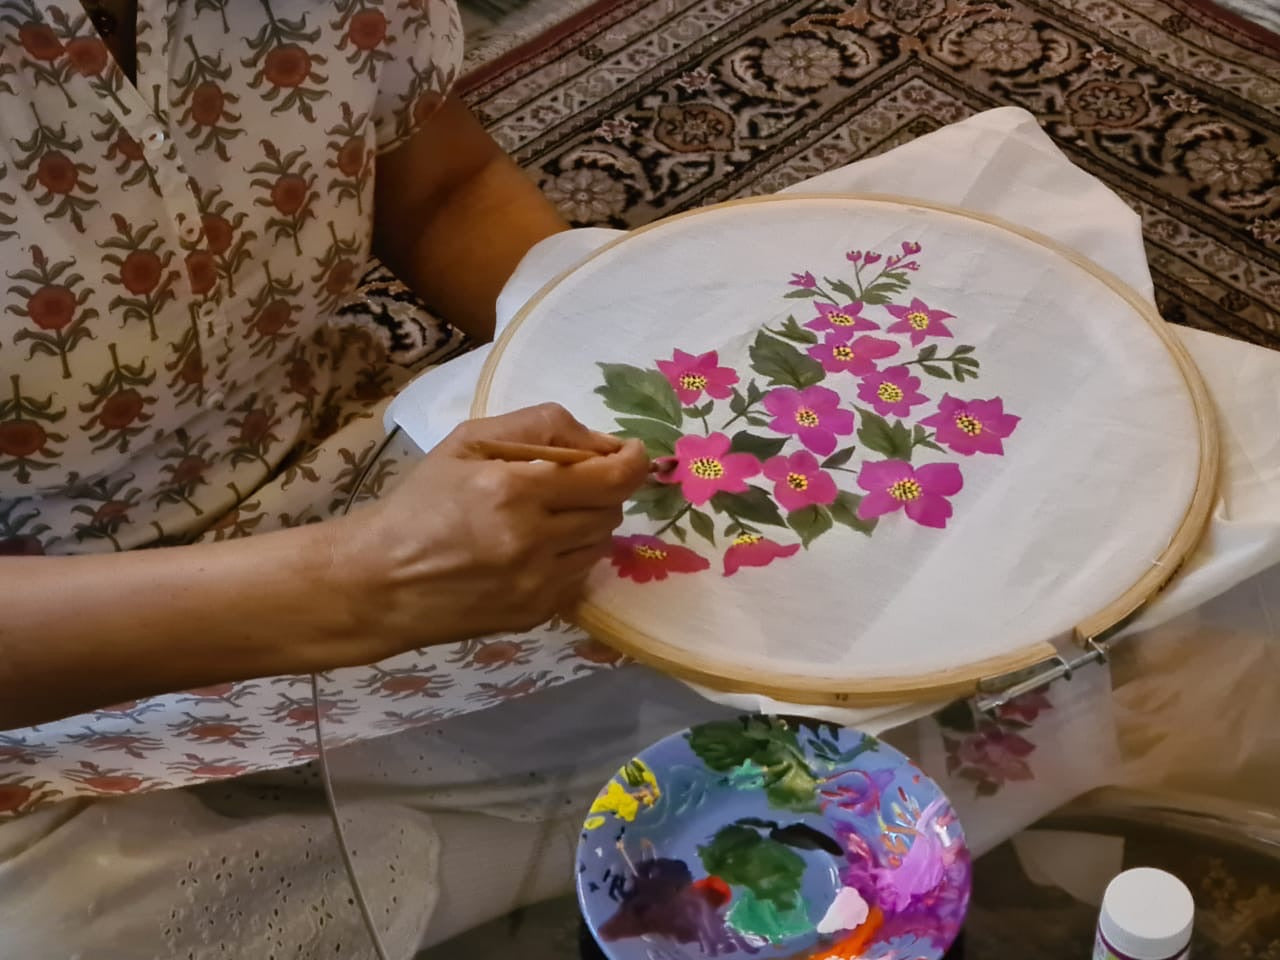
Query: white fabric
x=1001, y=163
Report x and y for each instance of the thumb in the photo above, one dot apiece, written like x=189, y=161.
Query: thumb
x=548, y=423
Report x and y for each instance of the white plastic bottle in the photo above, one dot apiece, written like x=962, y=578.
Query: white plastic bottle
x=1147, y=914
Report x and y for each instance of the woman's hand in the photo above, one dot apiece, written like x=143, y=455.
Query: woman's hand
x=466, y=546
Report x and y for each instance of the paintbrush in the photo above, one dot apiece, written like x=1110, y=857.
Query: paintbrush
x=525, y=452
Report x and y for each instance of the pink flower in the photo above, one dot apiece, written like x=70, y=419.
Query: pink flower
x=845, y=319
x=691, y=375
x=643, y=558
x=871, y=258
x=837, y=352
x=753, y=550
x=1000, y=755
x=705, y=467
x=812, y=414
x=892, y=392
x=972, y=426
x=853, y=256
x=910, y=248
x=1026, y=708
x=806, y=280
x=800, y=481
x=919, y=321
x=922, y=491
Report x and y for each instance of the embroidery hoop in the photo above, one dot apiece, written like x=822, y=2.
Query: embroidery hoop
x=1029, y=664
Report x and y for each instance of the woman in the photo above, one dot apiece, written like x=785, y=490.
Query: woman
x=186, y=190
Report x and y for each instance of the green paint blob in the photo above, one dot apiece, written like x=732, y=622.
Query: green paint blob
x=760, y=918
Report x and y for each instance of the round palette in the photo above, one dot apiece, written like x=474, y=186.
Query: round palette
x=772, y=837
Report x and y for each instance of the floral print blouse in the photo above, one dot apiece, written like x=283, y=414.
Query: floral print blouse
x=174, y=249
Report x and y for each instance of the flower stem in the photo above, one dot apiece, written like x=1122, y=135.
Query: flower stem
x=674, y=520
x=826, y=296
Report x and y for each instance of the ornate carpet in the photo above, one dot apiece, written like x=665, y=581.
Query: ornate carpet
x=635, y=109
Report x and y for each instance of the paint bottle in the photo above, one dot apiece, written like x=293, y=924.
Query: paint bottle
x=1146, y=914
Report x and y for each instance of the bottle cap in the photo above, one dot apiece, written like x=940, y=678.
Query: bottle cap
x=1147, y=914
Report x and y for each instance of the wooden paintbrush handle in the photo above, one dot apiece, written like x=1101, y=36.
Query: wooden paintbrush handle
x=507, y=450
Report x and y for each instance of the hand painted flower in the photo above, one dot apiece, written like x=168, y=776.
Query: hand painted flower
x=847, y=319
x=690, y=375
x=838, y=353
x=705, y=467
x=805, y=281
x=892, y=392
x=753, y=550
x=812, y=414
x=799, y=481
x=643, y=558
x=971, y=426
x=920, y=491
x=919, y=321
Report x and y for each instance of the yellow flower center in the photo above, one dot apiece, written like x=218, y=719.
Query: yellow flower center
x=707, y=468
x=970, y=425
x=746, y=539
x=797, y=481
x=889, y=392
x=806, y=417
x=905, y=490
x=693, y=381
x=650, y=553
x=843, y=352
x=840, y=319
x=918, y=320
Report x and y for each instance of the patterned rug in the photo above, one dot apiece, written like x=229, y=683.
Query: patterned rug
x=635, y=109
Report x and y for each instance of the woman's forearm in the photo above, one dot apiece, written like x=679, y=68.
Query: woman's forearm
x=84, y=632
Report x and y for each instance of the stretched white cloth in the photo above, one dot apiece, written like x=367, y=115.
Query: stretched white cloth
x=1000, y=163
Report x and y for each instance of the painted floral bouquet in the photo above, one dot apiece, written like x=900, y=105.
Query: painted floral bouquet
x=762, y=465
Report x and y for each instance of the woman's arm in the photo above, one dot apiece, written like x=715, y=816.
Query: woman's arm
x=502, y=547
x=454, y=216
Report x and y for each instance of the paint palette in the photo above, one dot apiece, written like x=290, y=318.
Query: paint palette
x=772, y=837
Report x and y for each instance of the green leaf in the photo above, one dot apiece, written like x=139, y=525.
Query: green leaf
x=934, y=370
x=928, y=352
x=894, y=441
x=845, y=511
x=757, y=419
x=961, y=350
x=886, y=288
x=754, y=393
x=738, y=403
x=782, y=364
x=810, y=522
x=702, y=525
x=966, y=361
x=761, y=447
x=791, y=330
x=755, y=505
x=658, y=501
x=706, y=408
x=645, y=393
x=659, y=438
x=679, y=532
x=739, y=856
x=839, y=458
x=842, y=288
x=800, y=294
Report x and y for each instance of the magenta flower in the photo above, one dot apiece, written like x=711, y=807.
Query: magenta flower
x=919, y=321
x=922, y=492
x=800, y=481
x=892, y=392
x=853, y=256
x=753, y=550
x=910, y=248
x=871, y=258
x=812, y=414
x=1001, y=755
x=972, y=426
x=691, y=375
x=806, y=280
x=847, y=319
x=705, y=467
x=643, y=558
x=858, y=356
